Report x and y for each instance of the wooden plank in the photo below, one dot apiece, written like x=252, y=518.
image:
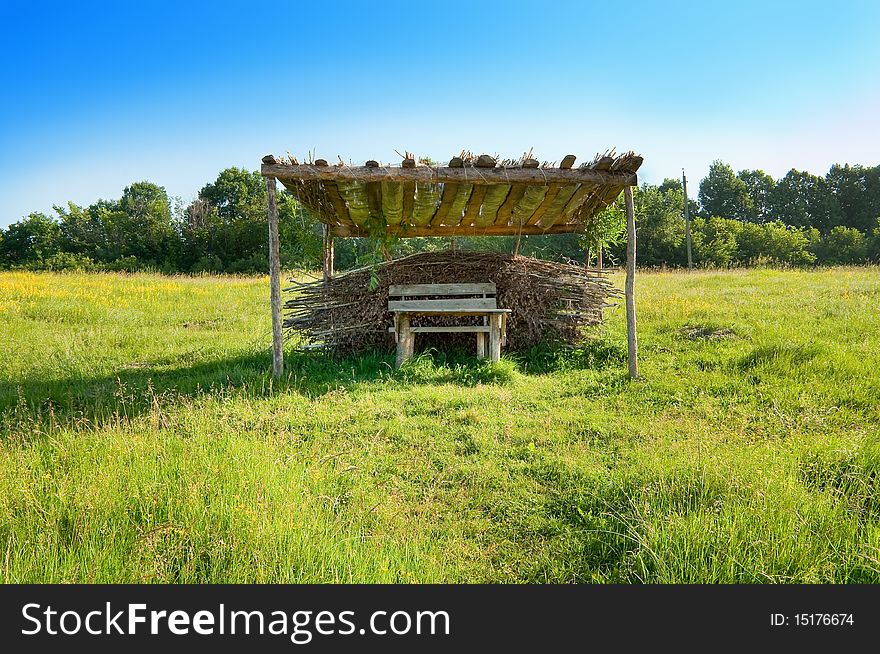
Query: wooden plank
x=513, y=198
x=497, y=175
x=409, y=190
x=462, y=304
x=530, y=201
x=275, y=280
x=392, y=202
x=447, y=230
x=473, y=206
x=449, y=193
x=453, y=314
x=403, y=341
x=492, y=201
x=549, y=197
x=554, y=211
x=442, y=289
x=332, y=192
x=426, y=197
x=453, y=329
x=355, y=194
x=580, y=196
x=374, y=198
x=459, y=202
x=632, y=345
x=495, y=339
x=328, y=254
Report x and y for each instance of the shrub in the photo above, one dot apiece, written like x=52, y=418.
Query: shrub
x=843, y=245
x=70, y=261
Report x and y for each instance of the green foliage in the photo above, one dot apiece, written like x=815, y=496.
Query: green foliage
x=874, y=243
x=760, y=187
x=722, y=193
x=715, y=241
x=660, y=229
x=30, y=241
x=607, y=229
x=843, y=245
x=801, y=199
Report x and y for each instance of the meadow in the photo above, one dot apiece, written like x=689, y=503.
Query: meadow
x=142, y=439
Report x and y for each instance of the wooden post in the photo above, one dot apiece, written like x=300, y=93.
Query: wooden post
x=599, y=257
x=328, y=254
x=275, y=281
x=405, y=340
x=631, y=340
x=495, y=338
x=481, y=345
x=687, y=220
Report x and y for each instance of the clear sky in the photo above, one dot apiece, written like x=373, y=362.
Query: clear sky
x=95, y=96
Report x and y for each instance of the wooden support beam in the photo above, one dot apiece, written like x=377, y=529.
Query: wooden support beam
x=275, y=281
x=464, y=175
x=632, y=345
x=328, y=254
x=405, y=341
x=481, y=344
x=462, y=230
x=450, y=191
x=494, y=338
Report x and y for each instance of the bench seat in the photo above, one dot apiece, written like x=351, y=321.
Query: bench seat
x=454, y=300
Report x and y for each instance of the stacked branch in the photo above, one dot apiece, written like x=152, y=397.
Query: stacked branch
x=549, y=300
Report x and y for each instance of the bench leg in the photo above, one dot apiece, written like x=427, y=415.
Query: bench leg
x=405, y=341
x=481, y=345
x=494, y=338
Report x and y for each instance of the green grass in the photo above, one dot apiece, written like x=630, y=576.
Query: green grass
x=142, y=440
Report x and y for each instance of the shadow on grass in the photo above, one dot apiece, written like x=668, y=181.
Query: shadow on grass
x=135, y=389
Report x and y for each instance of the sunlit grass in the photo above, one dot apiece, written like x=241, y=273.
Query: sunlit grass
x=143, y=440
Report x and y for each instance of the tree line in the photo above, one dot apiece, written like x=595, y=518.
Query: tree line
x=743, y=218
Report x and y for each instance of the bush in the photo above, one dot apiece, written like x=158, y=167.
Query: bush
x=208, y=263
x=874, y=244
x=842, y=245
x=256, y=263
x=715, y=241
x=70, y=261
x=786, y=245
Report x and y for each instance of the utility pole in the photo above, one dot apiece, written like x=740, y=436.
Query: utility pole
x=687, y=220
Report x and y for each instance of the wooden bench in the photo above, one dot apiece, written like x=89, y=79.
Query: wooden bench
x=447, y=300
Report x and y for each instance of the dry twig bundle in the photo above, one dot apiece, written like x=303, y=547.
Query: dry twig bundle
x=549, y=300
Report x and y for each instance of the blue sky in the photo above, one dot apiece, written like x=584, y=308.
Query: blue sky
x=96, y=96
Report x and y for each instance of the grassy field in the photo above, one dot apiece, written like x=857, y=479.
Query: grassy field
x=142, y=440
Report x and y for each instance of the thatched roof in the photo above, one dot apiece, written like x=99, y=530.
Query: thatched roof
x=470, y=196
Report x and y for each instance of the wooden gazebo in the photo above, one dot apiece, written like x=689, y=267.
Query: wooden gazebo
x=471, y=196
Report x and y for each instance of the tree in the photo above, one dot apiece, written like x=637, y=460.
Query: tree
x=715, y=240
x=800, y=199
x=843, y=245
x=606, y=229
x=874, y=243
x=856, y=193
x=227, y=224
x=143, y=220
x=31, y=240
x=659, y=226
x=722, y=193
x=670, y=185
x=83, y=231
x=759, y=186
